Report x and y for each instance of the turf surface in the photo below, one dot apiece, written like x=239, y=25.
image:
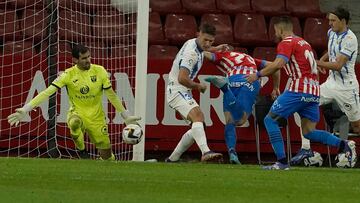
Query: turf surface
x=51, y=180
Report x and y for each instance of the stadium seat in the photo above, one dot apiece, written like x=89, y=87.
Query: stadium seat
x=12, y=47
x=296, y=28
x=179, y=28
x=233, y=6
x=269, y=7
x=9, y=25
x=166, y=6
x=304, y=8
x=122, y=51
x=241, y=49
x=74, y=26
x=109, y=25
x=28, y=4
x=35, y=23
x=222, y=22
x=251, y=30
x=97, y=49
x=3, y=4
x=266, y=53
x=162, y=52
x=89, y=6
x=315, y=32
x=198, y=7
x=156, y=31
x=63, y=47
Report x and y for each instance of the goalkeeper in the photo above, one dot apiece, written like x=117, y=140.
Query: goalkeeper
x=85, y=84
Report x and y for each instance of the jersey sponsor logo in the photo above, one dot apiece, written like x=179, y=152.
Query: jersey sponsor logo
x=347, y=106
x=85, y=89
x=310, y=99
x=93, y=78
x=190, y=62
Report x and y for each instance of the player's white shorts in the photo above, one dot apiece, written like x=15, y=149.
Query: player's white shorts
x=348, y=100
x=182, y=102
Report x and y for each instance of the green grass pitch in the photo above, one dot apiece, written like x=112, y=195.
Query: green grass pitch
x=52, y=180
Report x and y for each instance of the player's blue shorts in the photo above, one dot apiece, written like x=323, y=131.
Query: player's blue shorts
x=244, y=92
x=307, y=105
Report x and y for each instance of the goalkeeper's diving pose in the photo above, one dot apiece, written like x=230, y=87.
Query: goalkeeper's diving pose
x=85, y=84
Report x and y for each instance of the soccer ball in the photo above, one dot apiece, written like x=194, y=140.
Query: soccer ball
x=132, y=134
x=315, y=160
x=343, y=162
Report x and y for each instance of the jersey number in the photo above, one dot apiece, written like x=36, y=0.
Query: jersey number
x=239, y=58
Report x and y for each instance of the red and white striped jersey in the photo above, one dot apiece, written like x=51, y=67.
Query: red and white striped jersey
x=300, y=65
x=236, y=62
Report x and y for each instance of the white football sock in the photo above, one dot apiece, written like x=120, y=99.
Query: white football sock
x=305, y=143
x=198, y=133
x=186, y=141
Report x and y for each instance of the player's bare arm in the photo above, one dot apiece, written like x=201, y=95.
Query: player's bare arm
x=221, y=47
x=268, y=70
x=337, y=65
x=185, y=80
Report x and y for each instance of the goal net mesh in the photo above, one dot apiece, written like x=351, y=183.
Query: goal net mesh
x=36, y=38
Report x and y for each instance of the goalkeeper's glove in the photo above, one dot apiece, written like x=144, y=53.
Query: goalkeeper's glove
x=130, y=119
x=20, y=113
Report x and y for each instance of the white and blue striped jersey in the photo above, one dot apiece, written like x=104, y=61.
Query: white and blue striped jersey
x=346, y=44
x=190, y=57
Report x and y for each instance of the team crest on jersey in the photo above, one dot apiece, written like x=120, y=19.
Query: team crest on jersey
x=104, y=130
x=93, y=78
x=347, y=106
x=85, y=89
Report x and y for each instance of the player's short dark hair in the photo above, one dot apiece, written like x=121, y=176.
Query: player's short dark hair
x=342, y=13
x=79, y=49
x=285, y=20
x=208, y=29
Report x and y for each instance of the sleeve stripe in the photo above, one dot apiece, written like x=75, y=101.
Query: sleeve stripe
x=347, y=55
x=185, y=68
x=55, y=85
x=283, y=57
x=105, y=88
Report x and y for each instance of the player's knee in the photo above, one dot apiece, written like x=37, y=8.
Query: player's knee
x=196, y=115
x=75, y=123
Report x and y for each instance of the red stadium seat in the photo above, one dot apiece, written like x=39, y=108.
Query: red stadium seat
x=97, y=49
x=109, y=26
x=156, y=31
x=74, y=26
x=63, y=47
x=269, y=7
x=197, y=7
x=241, y=49
x=3, y=4
x=34, y=23
x=250, y=29
x=233, y=6
x=9, y=25
x=296, y=28
x=89, y=6
x=179, y=28
x=28, y=4
x=166, y=6
x=12, y=47
x=222, y=22
x=123, y=51
x=304, y=8
x=162, y=52
x=266, y=53
x=315, y=32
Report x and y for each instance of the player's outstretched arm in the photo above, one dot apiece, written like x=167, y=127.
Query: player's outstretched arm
x=15, y=118
x=268, y=70
x=337, y=65
x=115, y=101
x=221, y=47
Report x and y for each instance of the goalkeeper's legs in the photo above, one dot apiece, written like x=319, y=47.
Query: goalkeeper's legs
x=76, y=130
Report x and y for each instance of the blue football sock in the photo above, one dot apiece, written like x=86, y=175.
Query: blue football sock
x=323, y=137
x=230, y=136
x=276, y=140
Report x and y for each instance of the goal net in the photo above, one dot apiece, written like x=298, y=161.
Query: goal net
x=36, y=37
